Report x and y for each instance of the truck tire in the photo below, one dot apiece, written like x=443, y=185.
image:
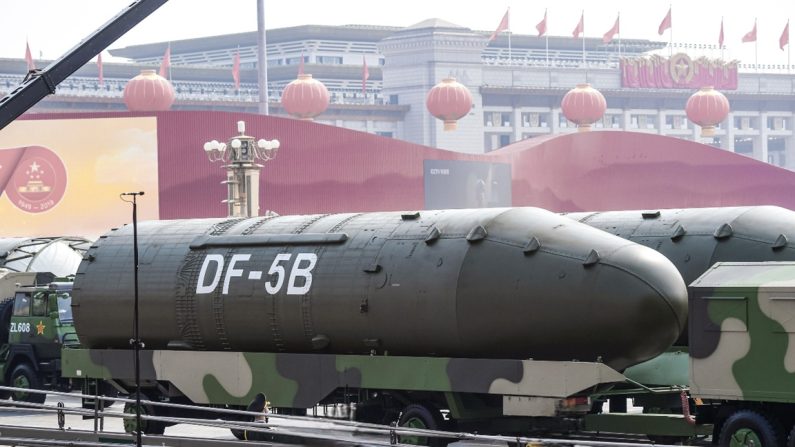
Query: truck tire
x=23, y=376
x=423, y=417
x=749, y=428
x=791, y=438
x=148, y=427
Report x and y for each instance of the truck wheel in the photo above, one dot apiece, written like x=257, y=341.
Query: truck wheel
x=23, y=376
x=747, y=428
x=148, y=426
x=791, y=438
x=257, y=406
x=423, y=417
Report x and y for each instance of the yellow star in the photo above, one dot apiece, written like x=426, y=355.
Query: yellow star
x=40, y=328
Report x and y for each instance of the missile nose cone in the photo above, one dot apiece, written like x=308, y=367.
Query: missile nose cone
x=649, y=297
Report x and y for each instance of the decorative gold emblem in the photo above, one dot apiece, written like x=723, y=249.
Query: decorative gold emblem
x=682, y=68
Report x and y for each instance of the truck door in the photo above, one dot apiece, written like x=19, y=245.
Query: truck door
x=31, y=324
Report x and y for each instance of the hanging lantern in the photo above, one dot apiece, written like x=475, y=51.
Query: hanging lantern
x=449, y=101
x=583, y=105
x=148, y=92
x=707, y=108
x=305, y=98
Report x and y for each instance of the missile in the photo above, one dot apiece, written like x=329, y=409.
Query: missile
x=694, y=239
x=482, y=283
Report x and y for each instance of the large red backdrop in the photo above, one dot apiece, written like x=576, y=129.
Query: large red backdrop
x=324, y=169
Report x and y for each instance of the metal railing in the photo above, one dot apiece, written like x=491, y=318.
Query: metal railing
x=352, y=429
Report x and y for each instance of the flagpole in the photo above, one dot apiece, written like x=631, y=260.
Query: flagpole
x=721, y=45
x=670, y=30
x=262, y=60
x=546, y=36
x=169, y=61
x=510, y=57
x=583, y=37
x=756, y=48
x=619, y=37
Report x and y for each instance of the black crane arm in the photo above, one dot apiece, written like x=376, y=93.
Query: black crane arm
x=40, y=83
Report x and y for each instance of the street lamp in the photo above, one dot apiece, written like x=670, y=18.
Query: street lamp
x=240, y=156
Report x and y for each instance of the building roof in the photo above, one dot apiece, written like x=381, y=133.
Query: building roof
x=360, y=33
x=373, y=34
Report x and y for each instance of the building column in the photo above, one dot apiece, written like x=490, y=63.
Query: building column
x=555, y=117
x=789, y=151
x=728, y=140
x=626, y=121
x=517, y=124
x=760, y=142
x=661, y=122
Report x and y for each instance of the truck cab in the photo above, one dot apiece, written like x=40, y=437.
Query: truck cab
x=37, y=323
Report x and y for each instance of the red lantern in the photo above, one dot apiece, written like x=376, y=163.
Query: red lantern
x=449, y=101
x=707, y=108
x=148, y=92
x=305, y=98
x=583, y=105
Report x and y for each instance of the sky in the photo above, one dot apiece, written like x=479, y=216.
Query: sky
x=52, y=27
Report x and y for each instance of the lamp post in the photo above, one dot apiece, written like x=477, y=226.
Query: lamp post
x=136, y=340
x=240, y=156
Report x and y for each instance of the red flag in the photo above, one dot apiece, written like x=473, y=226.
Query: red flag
x=165, y=66
x=720, y=36
x=29, y=57
x=503, y=26
x=665, y=24
x=99, y=69
x=542, y=25
x=365, y=75
x=608, y=37
x=784, y=39
x=750, y=36
x=236, y=69
x=580, y=27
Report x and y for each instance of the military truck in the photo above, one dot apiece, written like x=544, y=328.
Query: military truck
x=449, y=319
x=35, y=323
x=740, y=364
x=742, y=352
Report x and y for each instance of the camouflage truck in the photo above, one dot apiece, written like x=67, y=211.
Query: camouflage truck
x=35, y=323
x=429, y=318
x=742, y=352
x=478, y=394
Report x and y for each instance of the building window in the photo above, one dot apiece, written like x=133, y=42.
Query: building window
x=535, y=119
x=329, y=60
x=295, y=60
x=385, y=134
x=676, y=122
x=506, y=119
x=744, y=123
x=505, y=140
x=776, y=123
x=393, y=99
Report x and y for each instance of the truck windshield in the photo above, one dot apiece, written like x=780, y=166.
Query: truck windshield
x=65, y=308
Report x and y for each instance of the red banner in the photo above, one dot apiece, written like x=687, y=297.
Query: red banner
x=678, y=71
